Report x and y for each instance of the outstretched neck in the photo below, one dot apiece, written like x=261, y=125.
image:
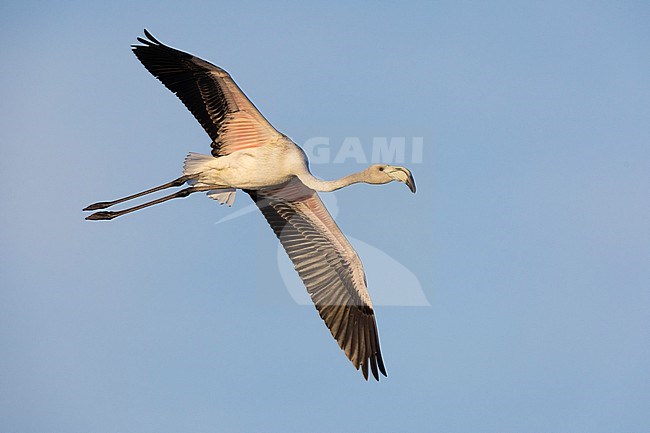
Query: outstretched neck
x=331, y=185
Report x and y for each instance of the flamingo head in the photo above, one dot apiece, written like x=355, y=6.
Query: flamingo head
x=382, y=173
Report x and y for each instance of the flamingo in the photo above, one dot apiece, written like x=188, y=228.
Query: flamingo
x=251, y=155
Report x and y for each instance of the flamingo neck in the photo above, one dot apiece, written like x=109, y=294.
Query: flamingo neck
x=331, y=185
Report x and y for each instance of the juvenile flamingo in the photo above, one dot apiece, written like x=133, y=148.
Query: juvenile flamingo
x=249, y=154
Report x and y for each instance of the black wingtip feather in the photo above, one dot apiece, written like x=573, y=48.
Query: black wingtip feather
x=151, y=37
x=380, y=364
x=151, y=41
x=373, y=366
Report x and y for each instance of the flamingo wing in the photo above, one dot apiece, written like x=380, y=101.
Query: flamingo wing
x=212, y=96
x=328, y=266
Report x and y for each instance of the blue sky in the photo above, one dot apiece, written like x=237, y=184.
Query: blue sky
x=529, y=235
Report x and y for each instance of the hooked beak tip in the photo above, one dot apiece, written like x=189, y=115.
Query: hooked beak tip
x=411, y=184
x=403, y=175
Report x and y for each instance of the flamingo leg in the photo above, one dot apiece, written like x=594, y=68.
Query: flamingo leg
x=104, y=204
x=109, y=215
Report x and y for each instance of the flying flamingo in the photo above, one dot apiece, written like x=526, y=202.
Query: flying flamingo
x=249, y=154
